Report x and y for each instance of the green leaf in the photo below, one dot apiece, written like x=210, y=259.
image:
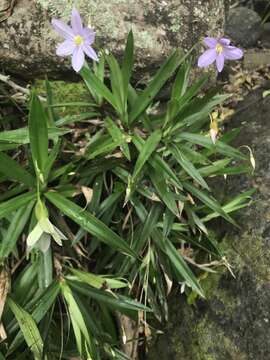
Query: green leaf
x=38, y=309
x=14, y=230
x=117, y=83
x=101, y=146
x=21, y=136
x=29, y=329
x=50, y=97
x=182, y=269
x=193, y=90
x=119, y=302
x=89, y=222
x=179, y=263
x=98, y=281
x=188, y=166
x=77, y=319
x=128, y=62
x=15, y=203
x=180, y=102
x=181, y=81
x=207, y=143
x=158, y=163
x=73, y=119
x=95, y=84
x=118, y=136
x=164, y=73
x=51, y=158
x=146, y=151
x=208, y=201
x=14, y=171
x=38, y=134
x=163, y=191
x=237, y=203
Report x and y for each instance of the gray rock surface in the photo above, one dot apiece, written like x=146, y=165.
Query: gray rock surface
x=260, y=6
x=265, y=35
x=234, y=322
x=243, y=26
x=28, y=42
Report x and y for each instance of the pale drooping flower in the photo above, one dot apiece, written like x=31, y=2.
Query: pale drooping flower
x=40, y=236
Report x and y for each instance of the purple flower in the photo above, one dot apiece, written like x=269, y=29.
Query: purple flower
x=219, y=51
x=78, y=40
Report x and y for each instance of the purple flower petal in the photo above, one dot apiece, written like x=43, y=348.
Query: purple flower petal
x=65, y=48
x=224, y=41
x=207, y=58
x=220, y=62
x=210, y=42
x=76, y=22
x=63, y=29
x=90, y=52
x=88, y=35
x=232, y=53
x=78, y=58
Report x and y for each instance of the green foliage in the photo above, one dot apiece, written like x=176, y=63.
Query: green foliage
x=125, y=184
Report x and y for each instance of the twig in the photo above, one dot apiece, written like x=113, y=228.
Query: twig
x=6, y=79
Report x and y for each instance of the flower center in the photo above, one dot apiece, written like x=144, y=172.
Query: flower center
x=219, y=48
x=78, y=40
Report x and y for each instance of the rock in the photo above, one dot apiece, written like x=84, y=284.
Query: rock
x=261, y=6
x=28, y=41
x=265, y=36
x=234, y=322
x=256, y=58
x=243, y=26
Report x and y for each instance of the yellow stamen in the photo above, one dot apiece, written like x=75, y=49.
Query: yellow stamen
x=219, y=48
x=78, y=40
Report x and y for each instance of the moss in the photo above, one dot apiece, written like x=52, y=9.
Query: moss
x=64, y=92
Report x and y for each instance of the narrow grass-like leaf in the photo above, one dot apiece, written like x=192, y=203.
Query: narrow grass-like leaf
x=188, y=166
x=117, y=302
x=117, y=85
x=98, y=281
x=158, y=163
x=15, y=203
x=163, y=191
x=95, y=84
x=118, y=136
x=14, y=171
x=164, y=73
x=146, y=151
x=77, y=319
x=21, y=136
x=237, y=203
x=29, y=329
x=179, y=263
x=208, y=201
x=207, y=142
x=14, y=230
x=89, y=222
x=38, y=309
x=128, y=62
x=181, y=81
x=103, y=145
x=38, y=134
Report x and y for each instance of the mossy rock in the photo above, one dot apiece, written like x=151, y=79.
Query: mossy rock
x=233, y=323
x=28, y=41
x=66, y=92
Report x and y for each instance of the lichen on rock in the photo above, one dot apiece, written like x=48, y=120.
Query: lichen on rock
x=29, y=41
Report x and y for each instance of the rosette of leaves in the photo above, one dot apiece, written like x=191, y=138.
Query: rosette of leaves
x=143, y=170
